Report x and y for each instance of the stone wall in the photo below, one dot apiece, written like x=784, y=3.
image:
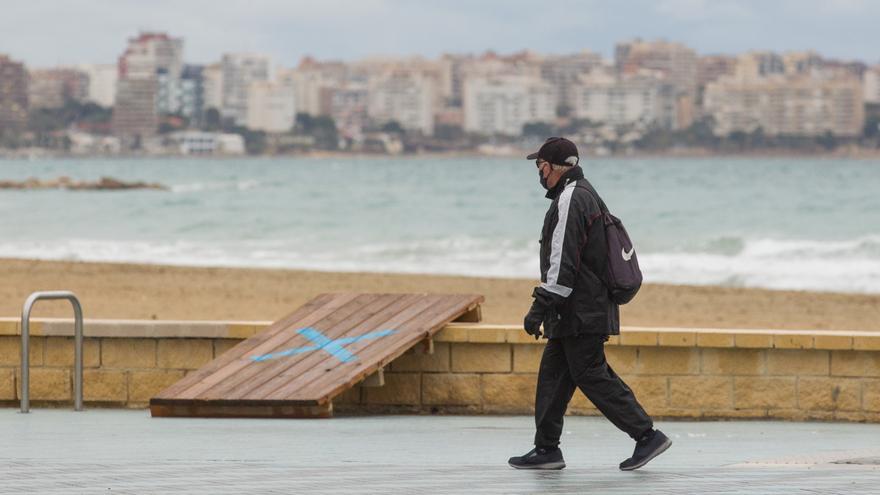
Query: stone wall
x=125, y=362
x=679, y=373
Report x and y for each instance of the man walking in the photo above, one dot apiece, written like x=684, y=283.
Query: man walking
x=578, y=315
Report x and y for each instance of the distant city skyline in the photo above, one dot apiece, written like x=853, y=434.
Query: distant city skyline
x=84, y=31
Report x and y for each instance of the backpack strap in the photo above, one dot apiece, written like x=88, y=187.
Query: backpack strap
x=589, y=188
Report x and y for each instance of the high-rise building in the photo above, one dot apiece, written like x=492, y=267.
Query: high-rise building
x=457, y=69
x=51, y=88
x=160, y=56
x=564, y=73
x=709, y=68
x=452, y=69
x=13, y=95
x=270, y=107
x=504, y=104
x=192, y=93
x=150, y=53
x=308, y=85
x=787, y=105
x=316, y=83
x=239, y=72
x=676, y=62
x=404, y=96
x=149, y=74
x=168, y=93
x=646, y=100
x=212, y=81
x=872, y=85
x=134, y=115
x=102, y=82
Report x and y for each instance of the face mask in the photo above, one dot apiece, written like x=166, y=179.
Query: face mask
x=542, y=180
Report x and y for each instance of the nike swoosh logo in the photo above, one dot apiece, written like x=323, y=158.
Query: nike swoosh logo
x=629, y=255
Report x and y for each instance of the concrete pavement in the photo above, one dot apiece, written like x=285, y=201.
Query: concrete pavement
x=120, y=451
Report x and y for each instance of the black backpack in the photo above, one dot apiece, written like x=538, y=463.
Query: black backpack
x=623, y=278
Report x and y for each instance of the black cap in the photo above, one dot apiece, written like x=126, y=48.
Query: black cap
x=558, y=151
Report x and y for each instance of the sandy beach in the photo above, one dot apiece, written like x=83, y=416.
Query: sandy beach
x=167, y=292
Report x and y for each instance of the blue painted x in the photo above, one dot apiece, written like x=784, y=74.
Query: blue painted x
x=334, y=347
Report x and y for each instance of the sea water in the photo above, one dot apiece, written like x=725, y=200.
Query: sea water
x=788, y=223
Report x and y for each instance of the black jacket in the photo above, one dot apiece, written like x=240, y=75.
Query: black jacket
x=573, y=262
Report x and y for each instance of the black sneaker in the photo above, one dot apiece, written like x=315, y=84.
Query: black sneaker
x=647, y=448
x=539, y=458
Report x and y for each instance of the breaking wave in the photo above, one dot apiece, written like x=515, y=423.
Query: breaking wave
x=838, y=266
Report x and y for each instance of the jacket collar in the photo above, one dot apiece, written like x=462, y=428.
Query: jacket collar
x=576, y=173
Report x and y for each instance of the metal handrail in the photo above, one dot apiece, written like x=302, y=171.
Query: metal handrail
x=78, y=346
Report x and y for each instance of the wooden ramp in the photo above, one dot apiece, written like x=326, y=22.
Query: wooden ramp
x=295, y=367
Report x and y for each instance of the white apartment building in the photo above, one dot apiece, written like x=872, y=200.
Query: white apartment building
x=314, y=82
x=565, y=71
x=872, y=85
x=675, y=61
x=102, y=82
x=239, y=72
x=787, y=105
x=454, y=69
x=212, y=84
x=504, y=104
x=270, y=107
x=625, y=100
x=308, y=85
x=404, y=96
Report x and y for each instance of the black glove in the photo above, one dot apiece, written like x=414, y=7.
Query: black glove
x=544, y=311
x=534, y=318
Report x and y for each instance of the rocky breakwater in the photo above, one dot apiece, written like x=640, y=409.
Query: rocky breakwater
x=104, y=184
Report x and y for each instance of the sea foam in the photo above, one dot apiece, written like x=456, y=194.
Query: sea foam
x=838, y=266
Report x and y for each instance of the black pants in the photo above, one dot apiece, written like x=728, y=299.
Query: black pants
x=579, y=362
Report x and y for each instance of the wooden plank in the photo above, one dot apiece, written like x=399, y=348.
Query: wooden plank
x=358, y=373
x=244, y=346
x=397, y=322
x=258, y=373
x=371, y=353
x=237, y=363
x=245, y=372
x=302, y=383
x=304, y=375
x=223, y=409
x=294, y=376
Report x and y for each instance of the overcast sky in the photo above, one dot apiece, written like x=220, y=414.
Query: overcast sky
x=44, y=33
